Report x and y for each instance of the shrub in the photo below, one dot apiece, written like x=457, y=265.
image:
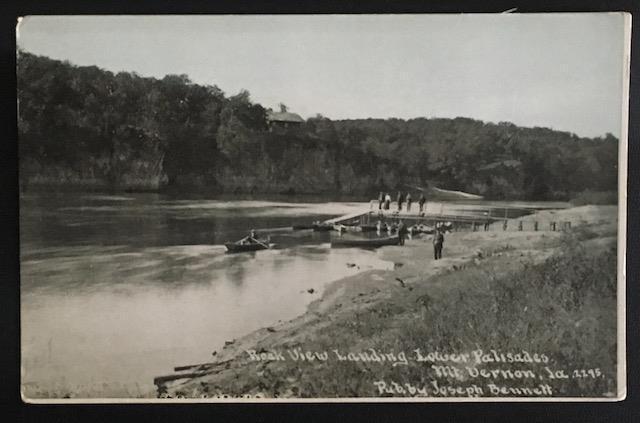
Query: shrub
x=595, y=198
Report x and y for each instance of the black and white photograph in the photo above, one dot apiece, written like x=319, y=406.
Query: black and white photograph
x=300, y=208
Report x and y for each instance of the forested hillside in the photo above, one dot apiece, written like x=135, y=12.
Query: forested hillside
x=85, y=127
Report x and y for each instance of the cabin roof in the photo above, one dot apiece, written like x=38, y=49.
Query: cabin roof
x=284, y=117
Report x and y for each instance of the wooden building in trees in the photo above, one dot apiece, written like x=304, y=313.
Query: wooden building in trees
x=283, y=119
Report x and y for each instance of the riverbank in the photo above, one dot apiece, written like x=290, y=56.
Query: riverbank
x=550, y=292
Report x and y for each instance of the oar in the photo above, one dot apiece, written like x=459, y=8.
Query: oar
x=258, y=242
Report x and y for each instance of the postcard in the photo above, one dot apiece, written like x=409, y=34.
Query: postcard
x=260, y=208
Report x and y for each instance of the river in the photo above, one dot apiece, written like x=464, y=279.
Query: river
x=117, y=289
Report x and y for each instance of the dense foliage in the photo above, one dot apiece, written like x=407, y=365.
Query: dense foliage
x=89, y=127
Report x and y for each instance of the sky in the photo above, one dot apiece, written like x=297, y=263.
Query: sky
x=563, y=71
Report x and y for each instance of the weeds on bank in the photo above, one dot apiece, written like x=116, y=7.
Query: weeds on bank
x=564, y=307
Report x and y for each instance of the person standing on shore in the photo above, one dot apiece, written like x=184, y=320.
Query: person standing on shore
x=387, y=201
x=380, y=200
x=421, y=201
x=408, y=202
x=400, y=200
x=402, y=232
x=438, y=241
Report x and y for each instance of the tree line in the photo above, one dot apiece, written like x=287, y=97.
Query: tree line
x=88, y=127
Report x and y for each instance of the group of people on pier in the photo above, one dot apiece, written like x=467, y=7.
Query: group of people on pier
x=384, y=201
x=406, y=200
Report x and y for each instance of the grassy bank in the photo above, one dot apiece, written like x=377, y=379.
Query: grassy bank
x=544, y=293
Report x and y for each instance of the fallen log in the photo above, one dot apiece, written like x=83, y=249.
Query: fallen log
x=192, y=366
x=168, y=378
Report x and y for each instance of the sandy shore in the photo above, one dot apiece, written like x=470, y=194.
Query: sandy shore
x=344, y=300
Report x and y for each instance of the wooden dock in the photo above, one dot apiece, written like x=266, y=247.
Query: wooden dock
x=373, y=214
x=370, y=217
x=487, y=220
x=346, y=218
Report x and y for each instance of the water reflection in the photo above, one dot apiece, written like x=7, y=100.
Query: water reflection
x=104, y=314
x=114, y=295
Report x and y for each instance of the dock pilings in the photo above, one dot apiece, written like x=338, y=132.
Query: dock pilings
x=461, y=222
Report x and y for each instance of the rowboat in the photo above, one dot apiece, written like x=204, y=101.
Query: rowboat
x=365, y=242
x=322, y=227
x=302, y=227
x=421, y=228
x=368, y=228
x=354, y=228
x=245, y=246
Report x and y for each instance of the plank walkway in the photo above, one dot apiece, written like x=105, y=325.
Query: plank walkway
x=372, y=216
x=468, y=221
x=345, y=217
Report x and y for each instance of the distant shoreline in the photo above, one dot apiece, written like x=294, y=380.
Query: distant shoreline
x=576, y=199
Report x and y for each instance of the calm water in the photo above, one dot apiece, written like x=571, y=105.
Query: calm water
x=118, y=289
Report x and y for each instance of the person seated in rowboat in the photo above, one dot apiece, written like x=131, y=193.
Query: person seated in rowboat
x=250, y=239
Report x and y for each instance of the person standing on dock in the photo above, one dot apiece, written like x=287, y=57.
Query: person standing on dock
x=380, y=200
x=400, y=200
x=408, y=202
x=438, y=241
x=387, y=201
x=421, y=201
